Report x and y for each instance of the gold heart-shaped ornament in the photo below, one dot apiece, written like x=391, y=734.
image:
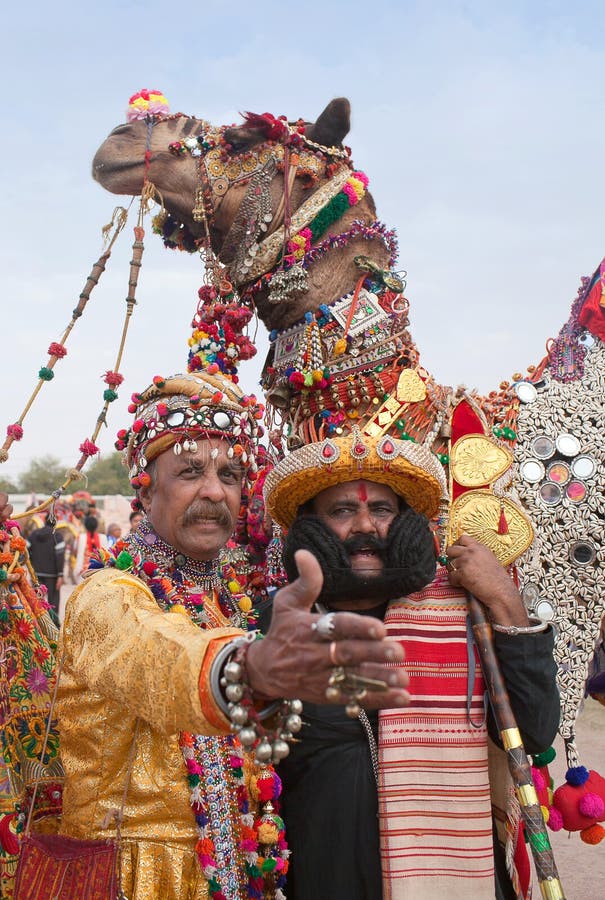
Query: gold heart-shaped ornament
x=475, y=460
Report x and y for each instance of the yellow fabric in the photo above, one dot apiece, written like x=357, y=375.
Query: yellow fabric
x=124, y=658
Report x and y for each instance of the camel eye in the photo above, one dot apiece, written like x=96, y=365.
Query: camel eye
x=243, y=138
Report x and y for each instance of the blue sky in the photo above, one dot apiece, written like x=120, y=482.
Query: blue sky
x=480, y=127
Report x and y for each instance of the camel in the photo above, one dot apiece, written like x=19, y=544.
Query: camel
x=254, y=196
x=119, y=166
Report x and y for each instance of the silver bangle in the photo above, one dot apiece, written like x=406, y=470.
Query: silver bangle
x=234, y=697
x=217, y=679
x=218, y=663
x=540, y=625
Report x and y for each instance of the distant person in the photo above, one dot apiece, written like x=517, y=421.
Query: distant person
x=90, y=540
x=47, y=555
x=94, y=511
x=114, y=533
x=30, y=523
x=135, y=518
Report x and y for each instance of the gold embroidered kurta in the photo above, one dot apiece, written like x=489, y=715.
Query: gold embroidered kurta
x=125, y=659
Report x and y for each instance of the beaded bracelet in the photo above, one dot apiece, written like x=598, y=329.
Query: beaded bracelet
x=540, y=625
x=234, y=697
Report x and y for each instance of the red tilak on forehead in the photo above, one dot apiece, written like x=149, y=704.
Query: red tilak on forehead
x=361, y=492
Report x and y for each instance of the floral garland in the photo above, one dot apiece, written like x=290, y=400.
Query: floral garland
x=261, y=840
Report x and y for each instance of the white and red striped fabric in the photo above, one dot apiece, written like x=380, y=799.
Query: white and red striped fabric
x=434, y=791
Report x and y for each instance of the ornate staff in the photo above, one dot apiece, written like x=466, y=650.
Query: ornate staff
x=518, y=763
x=476, y=464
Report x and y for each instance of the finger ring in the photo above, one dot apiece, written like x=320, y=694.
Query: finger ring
x=324, y=626
x=356, y=684
x=346, y=686
x=333, y=659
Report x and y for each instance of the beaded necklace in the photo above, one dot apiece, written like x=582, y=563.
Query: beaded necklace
x=177, y=580
x=215, y=765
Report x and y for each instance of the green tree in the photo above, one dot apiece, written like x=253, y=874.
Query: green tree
x=8, y=486
x=43, y=476
x=109, y=476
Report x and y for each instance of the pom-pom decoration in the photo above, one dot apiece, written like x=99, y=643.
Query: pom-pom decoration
x=266, y=786
x=113, y=379
x=543, y=784
x=593, y=835
x=124, y=560
x=580, y=804
x=592, y=806
x=147, y=104
x=15, y=431
x=218, y=343
x=87, y=448
x=577, y=776
x=273, y=128
x=544, y=758
x=555, y=820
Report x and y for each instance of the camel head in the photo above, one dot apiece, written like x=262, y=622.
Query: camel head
x=172, y=152
x=139, y=150
x=240, y=186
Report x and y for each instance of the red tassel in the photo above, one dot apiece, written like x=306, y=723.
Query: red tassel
x=502, y=523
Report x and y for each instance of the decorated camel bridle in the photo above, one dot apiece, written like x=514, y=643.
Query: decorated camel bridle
x=261, y=239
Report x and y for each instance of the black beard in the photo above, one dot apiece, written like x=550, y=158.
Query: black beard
x=408, y=555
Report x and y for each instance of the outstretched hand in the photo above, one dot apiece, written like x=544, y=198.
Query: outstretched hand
x=294, y=661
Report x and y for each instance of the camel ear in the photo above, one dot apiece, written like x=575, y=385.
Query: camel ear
x=333, y=124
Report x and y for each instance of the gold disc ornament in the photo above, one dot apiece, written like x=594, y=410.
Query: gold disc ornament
x=410, y=387
x=495, y=521
x=475, y=460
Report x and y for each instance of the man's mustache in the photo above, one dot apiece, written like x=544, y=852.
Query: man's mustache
x=359, y=543
x=207, y=509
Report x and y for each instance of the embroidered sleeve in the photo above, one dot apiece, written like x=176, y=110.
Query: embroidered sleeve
x=120, y=645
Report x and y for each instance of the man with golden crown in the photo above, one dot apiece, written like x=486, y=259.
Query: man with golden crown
x=170, y=710
x=397, y=804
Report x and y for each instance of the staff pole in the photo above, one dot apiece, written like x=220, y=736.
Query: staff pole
x=518, y=763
